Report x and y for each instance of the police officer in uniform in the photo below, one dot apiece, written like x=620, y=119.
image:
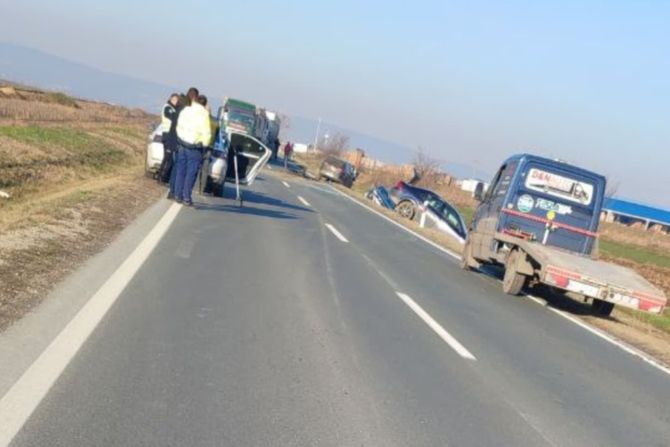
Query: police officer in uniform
x=169, y=137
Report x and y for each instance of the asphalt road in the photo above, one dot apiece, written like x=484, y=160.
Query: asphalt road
x=295, y=320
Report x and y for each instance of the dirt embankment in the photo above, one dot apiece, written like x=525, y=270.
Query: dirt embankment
x=73, y=171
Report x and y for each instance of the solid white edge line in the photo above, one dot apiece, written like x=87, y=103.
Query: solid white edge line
x=304, y=202
x=648, y=358
x=399, y=225
x=25, y=395
x=336, y=233
x=286, y=184
x=436, y=327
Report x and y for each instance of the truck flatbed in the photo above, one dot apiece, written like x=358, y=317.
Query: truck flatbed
x=590, y=277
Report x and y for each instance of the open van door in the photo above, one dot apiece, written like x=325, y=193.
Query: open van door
x=252, y=155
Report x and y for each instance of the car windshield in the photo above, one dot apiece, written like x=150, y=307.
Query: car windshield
x=447, y=212
x=241, y=116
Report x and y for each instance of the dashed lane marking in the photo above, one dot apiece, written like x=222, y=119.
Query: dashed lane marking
x=436, y=327
x=336, y=233
x=304, y=202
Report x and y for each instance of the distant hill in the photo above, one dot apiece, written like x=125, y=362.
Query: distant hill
x=33, y=67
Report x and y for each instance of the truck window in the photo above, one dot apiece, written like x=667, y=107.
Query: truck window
x=506, y=175
x=494, y=184
x=501, y=181
x=559, y=186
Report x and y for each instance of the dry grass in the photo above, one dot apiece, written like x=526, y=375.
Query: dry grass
x=59, y=159
x=48, y=140
x=18, y=104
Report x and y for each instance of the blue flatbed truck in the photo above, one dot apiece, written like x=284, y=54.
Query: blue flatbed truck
x=539, y=219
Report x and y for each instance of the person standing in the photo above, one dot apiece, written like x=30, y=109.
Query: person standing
x=169, y=137
x=193, y=135
x=183, y=101
x=288, y=149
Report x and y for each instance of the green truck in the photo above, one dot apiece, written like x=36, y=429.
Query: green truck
x=239, y=116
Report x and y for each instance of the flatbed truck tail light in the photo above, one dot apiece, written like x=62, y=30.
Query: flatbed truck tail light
x=650, y=303
x=559, y=277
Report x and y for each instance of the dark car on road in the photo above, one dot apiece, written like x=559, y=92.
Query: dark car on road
x=336, y=170
x=418, y=203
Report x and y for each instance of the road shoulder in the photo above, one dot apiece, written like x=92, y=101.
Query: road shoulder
x=22, y=342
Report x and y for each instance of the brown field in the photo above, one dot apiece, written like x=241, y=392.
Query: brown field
x=74, y=173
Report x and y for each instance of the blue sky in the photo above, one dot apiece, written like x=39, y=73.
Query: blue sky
x=471, y=81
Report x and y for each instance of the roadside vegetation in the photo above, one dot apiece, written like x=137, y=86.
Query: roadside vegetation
x=71, y=174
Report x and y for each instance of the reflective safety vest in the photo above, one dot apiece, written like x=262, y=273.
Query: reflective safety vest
x=166, y=122
x=193, y=126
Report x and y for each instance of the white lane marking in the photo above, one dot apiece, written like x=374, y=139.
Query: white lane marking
x=648, y=358
x=436, y=327
x=598, y=333
x=25, y=395
x=336, y=233
x=304, y=202
x=399, y=225
x=286, y=184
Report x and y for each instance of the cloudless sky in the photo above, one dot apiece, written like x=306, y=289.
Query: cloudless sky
x=471, y=81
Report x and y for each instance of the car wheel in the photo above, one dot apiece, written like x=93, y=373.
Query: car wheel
x=217, y=189
x=406, y=209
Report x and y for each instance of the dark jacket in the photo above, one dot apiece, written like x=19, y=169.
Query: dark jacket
x=170, y=137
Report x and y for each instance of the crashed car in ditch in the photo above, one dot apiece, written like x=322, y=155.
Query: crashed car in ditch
x=380, y=196
x=429, y=209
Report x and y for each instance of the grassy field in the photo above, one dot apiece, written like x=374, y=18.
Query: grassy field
x=642, y=255
x=74, y=173
x=660, y=322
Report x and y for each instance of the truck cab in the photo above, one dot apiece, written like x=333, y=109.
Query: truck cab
x=539, y=200
x=237, y=116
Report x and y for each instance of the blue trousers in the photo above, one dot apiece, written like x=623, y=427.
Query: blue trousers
x=173, y=171
x=188, y=165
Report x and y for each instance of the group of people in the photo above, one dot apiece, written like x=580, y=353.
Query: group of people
x=188, y=130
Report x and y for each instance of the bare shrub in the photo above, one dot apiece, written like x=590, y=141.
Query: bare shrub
x=334, y=145
x=427, y=168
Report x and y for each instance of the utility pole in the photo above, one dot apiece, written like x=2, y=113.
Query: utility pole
x=316, y=137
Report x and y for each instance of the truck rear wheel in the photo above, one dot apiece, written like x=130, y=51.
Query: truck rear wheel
x=602, y=308
x=467, y=261
x=513, y=281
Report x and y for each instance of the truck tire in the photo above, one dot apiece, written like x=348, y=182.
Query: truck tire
x=467, y=261
x=601, y=308
x=513, y=281
x=406, y=209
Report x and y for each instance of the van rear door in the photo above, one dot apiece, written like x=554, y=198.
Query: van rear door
x=554, y=204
